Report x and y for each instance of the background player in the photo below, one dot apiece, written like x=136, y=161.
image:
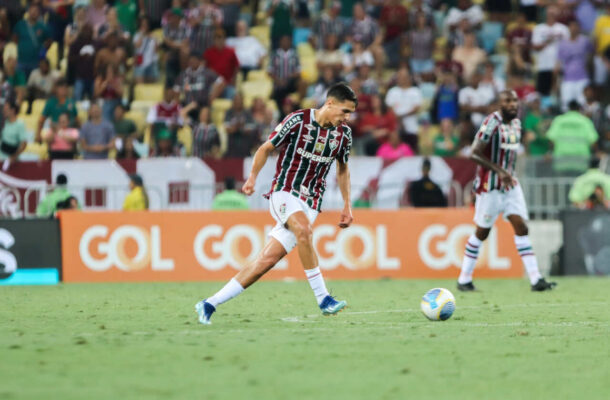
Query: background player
x=495, y=150
x=310, y=140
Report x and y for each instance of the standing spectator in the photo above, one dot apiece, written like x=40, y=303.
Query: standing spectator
x=137, y=199
x=127, y=13
x=369, y=33
x=406, y=101
x=358, y=56
x=445, y=103
x=206, y=140
x=230, y=10
x=96, y=15
x=588, y=183
x=61, y=139
x=327, y=78
x=394, y=148
x=424, y=192
x=328, y=23
x=230, y=199
x=33, y=39
x=203, y=22
x=81, y=60
x=421, y=45
x=176, y=42
x=465, y=11
x=448, y=64
x=96, y=136
x=535, y=126
x=601, y=36
x=285, y=70
x=41, y=82
x=529, y=8
x=470, y=55
x=241, y=129
x=46, y=207
x=375, y=127
x=56, y=105
x=330, y=55
x=73, y=29
x=281, y=13
x=447, y=141
x=14, y=137
x=393, y=17
x=572, y=135
x=223, y=60
x=146, y=62
x=475, y=100
x=519, y=40
x=545, y=41
x=153, y=11
x=109, y=88
x=112, y=26
x=250, y=52
x=14, y=78
x=573, y=56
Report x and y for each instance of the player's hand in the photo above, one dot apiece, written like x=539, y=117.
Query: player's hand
x=507, y=180
x=346, y=218
x=248, y=187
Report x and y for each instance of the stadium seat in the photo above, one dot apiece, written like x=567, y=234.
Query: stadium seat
x=305, y=50
x=258, y=75
x=149, y=92
x=23, y=109
x=185, y=136
x=263, y=34
x=30, y=121
x=300, y=35
x=218, y=110
x=490, y=33
x=142, y=106
x=53, y=56
x=157, y=34
x=38, y=106
x=138, y=118
x=252, y=89
x=35, y=151
x=309, y=70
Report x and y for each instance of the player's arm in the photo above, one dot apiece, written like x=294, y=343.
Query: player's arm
x=260, y=158
x=343, y=179
x=478, y=156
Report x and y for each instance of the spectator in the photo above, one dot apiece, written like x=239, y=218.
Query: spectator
x=96, y=15
x=601, y=37
x=572, y=135
x=447, y=141
x=519, y=39
x=445, y=103
x=33, y=39
x=15, y=79
x=448, y=64
x=223, y=60
x=73, y=30
x=113, y=51
x=490, y=82
x=330, y=55
x=176, y=42
x=206, y=140
x=127, y=14
x=421, y=44
x=146, y=62
x=529, y=8
x=109, y=88
x=41, y=82
x=166, y=145
x=96, y=136
x=394, y=148
x=264, y=119
x=56, y=105
x=573, y=56
x=470, y=55
x=475, y=100
x=126, y=149
x=535, y=126
x=71, y=203
x=166, y=114
x=48, y=206
x=281, y=13
x=327, y=78
x=201, y=31
x=424, y=192
x=565, y=12
x=392, y=19
x=285, y=70
x=545, y=41
x=81, y=59
x=328, y=23
x=406, y=101
x=250, y=52
x=592, y=108
x=61, y=139
x=598, y=201
x=230, y=199
x=419, y=6
x=112, y=26
x=230, y=10
x=358, y=56
x=370, y=85
x=375, y=127
x=465, y=11
x=467, y=132
x=153, y=11
x=586, y=14
x=241, y=129
x=14, y=137
x=521, y=86
x=137, y=199
x=367, y=29
x=124, y=128
x=588, y=183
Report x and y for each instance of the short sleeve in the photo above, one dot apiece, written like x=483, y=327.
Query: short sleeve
x=285, y=129
x=487, y=129
x=537, y=37
x=48, y=106
x=23, y=135
x=343, y=155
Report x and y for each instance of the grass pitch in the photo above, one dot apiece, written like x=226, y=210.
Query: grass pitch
x=142, y=341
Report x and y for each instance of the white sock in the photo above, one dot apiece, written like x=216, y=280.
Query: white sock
x=470, y=259
x=524, y=247
x=230, y=290
x=316, y=281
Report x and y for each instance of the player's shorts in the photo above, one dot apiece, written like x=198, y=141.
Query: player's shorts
x=282, y=205
x=490, y=204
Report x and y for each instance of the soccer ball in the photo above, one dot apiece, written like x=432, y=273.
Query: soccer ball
x=438, y=304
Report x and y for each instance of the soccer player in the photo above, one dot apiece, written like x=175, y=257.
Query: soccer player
x=495, y=150
x=309, y=142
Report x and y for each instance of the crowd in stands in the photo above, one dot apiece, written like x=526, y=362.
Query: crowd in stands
x=211, y=78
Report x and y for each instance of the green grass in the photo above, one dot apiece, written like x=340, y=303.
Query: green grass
x=141, y=341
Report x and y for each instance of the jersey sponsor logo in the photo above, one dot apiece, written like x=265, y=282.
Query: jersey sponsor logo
x=314, y=157
x=282, y=130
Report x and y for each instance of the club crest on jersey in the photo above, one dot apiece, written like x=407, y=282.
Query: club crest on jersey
x=333, y=143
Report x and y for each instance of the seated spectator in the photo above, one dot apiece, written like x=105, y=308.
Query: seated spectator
x=250, y=52
x=97, y=135
x=424, y=192
x=61, y=139
x=420, y=6
x=41, y=82
x=241, y=129
x=421, y=44
x=176, y=43
x=285, y=70
x=328, y=23
x=447, y=141
x=375, y=127
x=166, y=114
x=206, y=140
x=327, y=78
x=199, y=85
x=490, y=82
x=81, y=59
x=15, y=79
x=230, y=199
x=535, y=125
x=33, y=39
x=573, y=56
x=467, y=132
x=330, y=55
x=587, y=184
x=392, y=19
x=48, y=205
x=370, y=85
x=445, y=103
x=108, y=87
x=166, y=145
x=124, y=128
x=448, y=64
x=146, y=61
x=14, y=137
x=475, y=100
x=470, y=55
x=406, y=101
x=394, y=148
x=367, y=29
x=358, y=56
x=264, y=118
x=56, y=105
x=572, y=135
x=465, y=10
x=364, y=101
x=137, y=199
x=223, y=60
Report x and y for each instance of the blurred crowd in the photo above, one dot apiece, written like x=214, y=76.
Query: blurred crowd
x=211, y=78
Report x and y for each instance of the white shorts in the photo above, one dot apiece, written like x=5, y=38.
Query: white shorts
x=282, y=205
x=490, y=204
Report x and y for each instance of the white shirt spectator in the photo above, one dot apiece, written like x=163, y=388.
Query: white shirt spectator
x=404, y=100
x=474, y=14
x=481, y=96
x=547, y=57
x=248, y=49
x=147, y=49
x=355, y=60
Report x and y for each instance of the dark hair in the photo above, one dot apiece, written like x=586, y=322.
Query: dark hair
x=229, y=183
x=594, y=162
x=13, y=106
x=342, y=92
x=574, y=105
x=136, y=179
x=61, y=179
x=121, y=106
x=426, y=163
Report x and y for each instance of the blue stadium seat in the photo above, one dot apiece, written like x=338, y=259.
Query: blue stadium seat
x=490, y=33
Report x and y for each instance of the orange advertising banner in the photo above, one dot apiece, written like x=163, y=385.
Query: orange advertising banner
x=196, y=246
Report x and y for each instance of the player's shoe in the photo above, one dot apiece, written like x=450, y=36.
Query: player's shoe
x=331, y=306
x=204, y=311
x=543, y=285
x=466, y=287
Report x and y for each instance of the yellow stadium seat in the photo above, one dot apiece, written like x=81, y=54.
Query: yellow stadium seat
x=149, y=92
x=218, y=111
x=305, y=50
x=309, y=70
x=38, y=106
x=138, y=118
x=142, y=106
x=258, y=75
x=157, y=34
x=252, y=89
x=10, y=51
x=39, y=149
x=31, y=122
x=23, y=109
x=263, y=34
x=185, y=136
x=53, y=55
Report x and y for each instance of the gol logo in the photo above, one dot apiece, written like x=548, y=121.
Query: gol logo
x=113, y=248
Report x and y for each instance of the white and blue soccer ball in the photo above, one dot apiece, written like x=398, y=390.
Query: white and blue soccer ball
x=438, y=304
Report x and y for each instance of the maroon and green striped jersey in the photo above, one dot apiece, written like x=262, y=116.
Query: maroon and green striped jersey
x=503, y=142
x=307, y=152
